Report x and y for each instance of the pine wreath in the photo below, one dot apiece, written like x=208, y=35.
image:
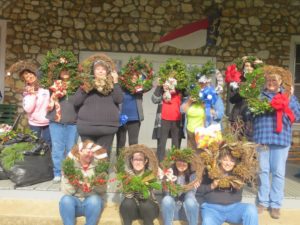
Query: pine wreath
x=139, y=67
x=56, y=61
x=195, y=73
x=246, y=166
x=251, y=90
x=130, y=183
x=75, y=175
x=177, y=69
x=166, y=174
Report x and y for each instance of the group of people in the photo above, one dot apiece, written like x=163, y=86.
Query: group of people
x=93, y=110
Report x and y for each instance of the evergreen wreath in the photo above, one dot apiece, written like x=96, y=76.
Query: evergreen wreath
x=130, y=183
x=251, y=90
x=246, y=166
x=75, y=175
x=174, y=68
x=140, y=68
x=77, y=179
x=256, y=62
x=195, y=73
x=85, y=68
x=166, y=174
x=55, y=61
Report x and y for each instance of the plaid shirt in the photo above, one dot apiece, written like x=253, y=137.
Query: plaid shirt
x=264, y=126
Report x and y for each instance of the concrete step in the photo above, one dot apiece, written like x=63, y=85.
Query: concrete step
x=45, y=212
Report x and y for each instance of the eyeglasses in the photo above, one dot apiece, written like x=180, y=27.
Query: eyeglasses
x=138, y=159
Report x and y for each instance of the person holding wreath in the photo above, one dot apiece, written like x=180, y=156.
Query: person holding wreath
x=172, y=83
x=181, y=176
x=135, y=79
x=137, y=171
x=97, y=100
x=228, y=167
x=202, y=108
x=60, y=76
x=35, y=99
x=274, y=110
x=84, y=180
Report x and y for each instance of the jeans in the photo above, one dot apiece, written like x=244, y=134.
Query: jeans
x=63, y=137
x=272, y=160
x=172, y=210
x=42, y=132
x=71, y=207
x=237, y=213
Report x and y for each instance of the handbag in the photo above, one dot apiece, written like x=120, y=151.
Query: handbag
x=205, y=136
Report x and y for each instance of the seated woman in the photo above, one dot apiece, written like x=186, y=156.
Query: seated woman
x=228, y=169
x=138, y=177
x=84, y=178
x=179, y=202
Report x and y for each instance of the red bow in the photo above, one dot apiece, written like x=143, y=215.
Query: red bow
x=232, y=74
x=280, y=103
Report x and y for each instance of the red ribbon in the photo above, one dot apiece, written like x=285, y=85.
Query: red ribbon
x=280, y=103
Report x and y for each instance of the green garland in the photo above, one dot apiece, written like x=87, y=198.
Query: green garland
x=54, y=62
x=177, y=69
x=251, y=90
x=76, y=177
x=132, y=184
x=142, y=69
x=14, y=153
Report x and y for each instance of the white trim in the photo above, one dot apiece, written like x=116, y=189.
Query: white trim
x=2, y=54
x=295, y=40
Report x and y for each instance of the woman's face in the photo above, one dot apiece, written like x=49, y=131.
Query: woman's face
x=29, y=77
x=273, y=83
x=138, y=162
x=181, y=166
x=64, y=75
x=248, y=67
x=134, y=79
x=227, y=163
x=100, y=71
x=86, y=155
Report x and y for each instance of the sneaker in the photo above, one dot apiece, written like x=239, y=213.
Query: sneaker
x=260, y=209
x=56, y=180
x=275, y=213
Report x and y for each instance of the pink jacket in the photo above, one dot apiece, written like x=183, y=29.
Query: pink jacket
x=35, y=105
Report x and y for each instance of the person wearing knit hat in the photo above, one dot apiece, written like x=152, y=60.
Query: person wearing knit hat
x=97, y=100
x=35, y=99
x=85, y=175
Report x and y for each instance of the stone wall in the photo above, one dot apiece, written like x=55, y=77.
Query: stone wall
x=247, y=27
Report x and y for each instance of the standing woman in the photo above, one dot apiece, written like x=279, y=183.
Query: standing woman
x=60, y=76
x=181, y=177
x=98, y=99
x=35, y=100
x=273, y=131
x=137, y=170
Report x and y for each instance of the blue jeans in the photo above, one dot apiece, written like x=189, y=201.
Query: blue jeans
x=42, y=132
x=272, y=160
x=237, y=213
x=172, y=210
x=63, y=137
x=71, y=207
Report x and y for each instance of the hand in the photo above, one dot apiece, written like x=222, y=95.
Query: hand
x=53, y=97
x=29, y=89
x=214, y=184
x=86, y=87
x=213, y=112
x=196, y=185
x=115, y=76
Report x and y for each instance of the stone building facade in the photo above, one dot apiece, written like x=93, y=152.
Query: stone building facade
x=247, y=27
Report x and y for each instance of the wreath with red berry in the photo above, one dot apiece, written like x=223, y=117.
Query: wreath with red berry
x=74, y=174
x=137, y=75
x=166, y=173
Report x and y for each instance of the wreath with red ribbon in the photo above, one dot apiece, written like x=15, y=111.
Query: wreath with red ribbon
x=137, y=75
